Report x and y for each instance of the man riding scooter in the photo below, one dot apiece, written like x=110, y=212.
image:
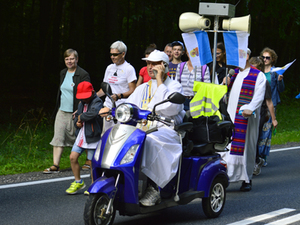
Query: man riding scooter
x=162, y=148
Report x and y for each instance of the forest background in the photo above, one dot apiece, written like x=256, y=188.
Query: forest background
x=35, y=33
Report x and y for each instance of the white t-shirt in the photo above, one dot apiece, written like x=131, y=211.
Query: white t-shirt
x=81, y=139
x=119, y=76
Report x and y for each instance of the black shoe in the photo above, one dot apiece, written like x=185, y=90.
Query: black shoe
x=246, y=186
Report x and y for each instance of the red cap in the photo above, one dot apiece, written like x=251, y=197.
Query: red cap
x=84, y=90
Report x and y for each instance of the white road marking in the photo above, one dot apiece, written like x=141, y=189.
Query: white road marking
x=287, y=220
x=261, y=217
x=285, y=149
x=41, y=181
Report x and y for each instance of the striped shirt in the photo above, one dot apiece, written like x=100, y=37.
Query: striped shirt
x=188, y=78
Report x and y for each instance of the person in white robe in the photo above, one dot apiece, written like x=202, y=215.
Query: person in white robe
x=240, y=167
x=162, y=149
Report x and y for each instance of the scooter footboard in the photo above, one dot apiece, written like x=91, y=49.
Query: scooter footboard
x=103, y=185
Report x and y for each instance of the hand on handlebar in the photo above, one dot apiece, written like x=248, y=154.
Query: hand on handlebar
x=104, y=111
x=115, y=97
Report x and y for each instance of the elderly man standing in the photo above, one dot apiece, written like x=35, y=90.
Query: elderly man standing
x=120, y=75
x=247, y=88
x=162, y=148
x=168, y=51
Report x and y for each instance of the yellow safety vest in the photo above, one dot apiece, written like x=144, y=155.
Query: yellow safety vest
x=206, y=100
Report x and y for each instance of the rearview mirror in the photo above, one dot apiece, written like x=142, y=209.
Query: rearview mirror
x=177, y=98
x=106, y=88
x=108, y=92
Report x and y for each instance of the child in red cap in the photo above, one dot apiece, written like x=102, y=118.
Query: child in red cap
x=88, y=130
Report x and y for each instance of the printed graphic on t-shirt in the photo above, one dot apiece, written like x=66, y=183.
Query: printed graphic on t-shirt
x=113, y=80
x=115, y=76
x=172, y=70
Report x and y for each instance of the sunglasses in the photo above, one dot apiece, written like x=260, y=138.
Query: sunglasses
x=115, y=54
x=266, y=57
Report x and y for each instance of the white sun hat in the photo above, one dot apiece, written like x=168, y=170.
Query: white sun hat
x=157, y=56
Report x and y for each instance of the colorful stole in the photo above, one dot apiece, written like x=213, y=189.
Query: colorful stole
x=241, y=123
x=146, y=95
x=146, y=99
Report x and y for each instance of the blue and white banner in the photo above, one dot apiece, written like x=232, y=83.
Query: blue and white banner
x=281, y=70
x=236, y=44
x=198, y=47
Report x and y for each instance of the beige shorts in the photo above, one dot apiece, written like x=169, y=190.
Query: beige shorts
x=64, y=130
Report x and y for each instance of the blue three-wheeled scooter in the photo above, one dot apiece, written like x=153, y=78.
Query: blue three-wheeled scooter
x=119, y=184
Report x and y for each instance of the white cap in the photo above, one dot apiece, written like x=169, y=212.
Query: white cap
x=248, y=51
x=157, y=56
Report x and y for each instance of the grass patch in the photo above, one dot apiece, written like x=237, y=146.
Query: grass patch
x=24, y=143
x=288, y=129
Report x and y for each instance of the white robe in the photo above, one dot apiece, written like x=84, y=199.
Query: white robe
x=162, y=148
x=240, y=168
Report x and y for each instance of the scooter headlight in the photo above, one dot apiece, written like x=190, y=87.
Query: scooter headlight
x=97, y=152
x=124, y=113
x=130, y=154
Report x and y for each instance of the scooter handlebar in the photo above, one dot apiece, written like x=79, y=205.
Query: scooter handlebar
x=164, y=119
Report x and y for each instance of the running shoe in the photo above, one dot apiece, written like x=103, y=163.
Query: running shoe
x=75, y=187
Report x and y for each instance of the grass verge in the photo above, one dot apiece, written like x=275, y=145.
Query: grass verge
x=288, y=129
x=24, y=144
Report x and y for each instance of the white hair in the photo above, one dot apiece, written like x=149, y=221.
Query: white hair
x=120, y=46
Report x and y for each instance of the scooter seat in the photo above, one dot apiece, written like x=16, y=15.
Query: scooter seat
x=186, y=126
x=203, y=149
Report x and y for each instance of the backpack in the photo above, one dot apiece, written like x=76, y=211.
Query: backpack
x=203, y=69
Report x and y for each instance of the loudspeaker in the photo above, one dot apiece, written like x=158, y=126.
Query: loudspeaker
x=190, y=21
x=239, y=23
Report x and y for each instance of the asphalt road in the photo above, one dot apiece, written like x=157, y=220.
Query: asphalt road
x=275, y=196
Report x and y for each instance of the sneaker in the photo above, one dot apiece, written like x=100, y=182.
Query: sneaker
x=257, y=167
x=75, y=187
x=86, y=193
x=87, y=165
x=52, y=169
x=265, y=164
x=151, y=197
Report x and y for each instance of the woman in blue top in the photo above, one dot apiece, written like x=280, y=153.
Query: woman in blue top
x=277, y=85
x=66, y=104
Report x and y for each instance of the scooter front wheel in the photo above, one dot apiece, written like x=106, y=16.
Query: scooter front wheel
x=214, y=204
x=95, y=210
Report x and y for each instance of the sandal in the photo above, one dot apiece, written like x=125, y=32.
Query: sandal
x=52, y=169
x=86, y=167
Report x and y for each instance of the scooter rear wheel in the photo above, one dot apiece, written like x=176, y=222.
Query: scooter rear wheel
x=214, y=204
x=95, y=208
